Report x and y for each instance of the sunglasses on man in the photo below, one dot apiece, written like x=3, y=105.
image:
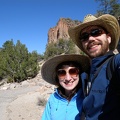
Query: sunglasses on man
x=94, y=33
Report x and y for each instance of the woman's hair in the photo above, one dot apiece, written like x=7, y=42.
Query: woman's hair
x=61, y=90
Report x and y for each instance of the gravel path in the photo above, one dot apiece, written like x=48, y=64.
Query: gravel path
x=20, y=104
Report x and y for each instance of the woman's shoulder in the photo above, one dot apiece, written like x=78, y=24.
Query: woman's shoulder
x=54, y=95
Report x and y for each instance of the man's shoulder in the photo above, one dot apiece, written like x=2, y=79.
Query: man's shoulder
x=117, y=58
x=112, y=66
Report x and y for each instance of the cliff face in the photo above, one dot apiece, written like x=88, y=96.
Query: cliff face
x=60, y=31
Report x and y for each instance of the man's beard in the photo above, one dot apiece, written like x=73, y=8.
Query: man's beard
x=100, y=52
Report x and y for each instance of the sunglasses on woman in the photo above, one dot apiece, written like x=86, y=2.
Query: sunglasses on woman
x=94, y=32
x=73, y=72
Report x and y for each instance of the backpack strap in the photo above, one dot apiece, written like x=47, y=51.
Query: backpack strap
x=110, y=68
x=89, y=84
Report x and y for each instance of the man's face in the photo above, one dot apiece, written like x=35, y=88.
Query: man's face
x=95, y=41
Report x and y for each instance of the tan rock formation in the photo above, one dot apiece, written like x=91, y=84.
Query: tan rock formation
x=60, y=31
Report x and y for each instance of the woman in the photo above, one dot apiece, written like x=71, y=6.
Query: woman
x=64, y=71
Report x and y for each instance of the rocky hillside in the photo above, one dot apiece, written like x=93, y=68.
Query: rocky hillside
x=60, y=31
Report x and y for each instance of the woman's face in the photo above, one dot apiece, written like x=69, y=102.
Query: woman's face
x=68, y=77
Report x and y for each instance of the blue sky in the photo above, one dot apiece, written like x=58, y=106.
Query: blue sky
x=30, y=20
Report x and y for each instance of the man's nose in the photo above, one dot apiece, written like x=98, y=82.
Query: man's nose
x=91, y=38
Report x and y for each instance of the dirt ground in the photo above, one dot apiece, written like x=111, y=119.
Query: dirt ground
x=25, y=107
x=21, y=104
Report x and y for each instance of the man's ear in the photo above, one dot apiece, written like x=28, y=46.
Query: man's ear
x=109, y=38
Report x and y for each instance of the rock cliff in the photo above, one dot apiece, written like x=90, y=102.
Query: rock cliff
x=60, y=31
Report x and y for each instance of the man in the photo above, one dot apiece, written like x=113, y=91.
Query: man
x=98, y=38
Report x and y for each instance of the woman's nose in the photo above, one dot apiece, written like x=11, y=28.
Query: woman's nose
x=67, y=76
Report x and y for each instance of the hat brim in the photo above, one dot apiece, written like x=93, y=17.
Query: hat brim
x=48, y=70
x=106, y=21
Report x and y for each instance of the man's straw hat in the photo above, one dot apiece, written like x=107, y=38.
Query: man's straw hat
x=48, y=70
x=109, y=22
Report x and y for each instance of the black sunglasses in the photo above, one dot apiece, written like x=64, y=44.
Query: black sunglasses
x=72, y=71
x=94, y=32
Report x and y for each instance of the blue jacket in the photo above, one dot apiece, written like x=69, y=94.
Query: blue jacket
x=58, y=108
x=103, y=101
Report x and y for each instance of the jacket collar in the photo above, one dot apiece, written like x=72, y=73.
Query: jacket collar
x=96, y=62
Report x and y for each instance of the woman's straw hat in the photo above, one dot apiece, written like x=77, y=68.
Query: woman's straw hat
x=48, y=70
x=109, y=22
